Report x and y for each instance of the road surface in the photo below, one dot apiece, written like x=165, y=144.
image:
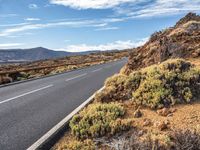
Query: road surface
x=30, y=109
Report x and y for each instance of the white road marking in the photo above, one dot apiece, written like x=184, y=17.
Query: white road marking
x=53, y=131
x=76, y=77
x=97, y=70
x=10, y=99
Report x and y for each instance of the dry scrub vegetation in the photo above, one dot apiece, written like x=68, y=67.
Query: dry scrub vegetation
x=142, y=110
x=98, y=120
x=11, y=73
x=153, y=103
x=171, y=82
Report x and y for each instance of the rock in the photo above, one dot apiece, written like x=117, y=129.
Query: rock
x=173, y=110
x=147, y=122
x=164, y=112
x=4, y=80
x=163, y=125
x=180, y=41
x=167, y=122
x=137, y=113
x=170, y=115
x=141, y=133
x=188, y=17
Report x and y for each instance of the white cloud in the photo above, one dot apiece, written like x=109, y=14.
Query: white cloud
x=107, y=28
x=17, y=28
x=117, y=45
x=33, y=6
x=13, y=30
x=159, y=8
x=90, y=4
x=135, y=8
x=101, y=25
x=10, y=45
x=7, y=15
x=13, y=25
x=32, y=19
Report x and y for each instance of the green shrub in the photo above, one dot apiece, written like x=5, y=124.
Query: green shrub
x=119, y=87
x=98, y=120
x=152, y=93
x=108, y=94
x=78, y=145
x=171, y=82
x=22, y=76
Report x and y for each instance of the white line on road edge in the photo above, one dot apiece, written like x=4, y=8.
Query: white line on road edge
x=97, y=70
x=10, y=99
x=76, y=77
x=61, y=124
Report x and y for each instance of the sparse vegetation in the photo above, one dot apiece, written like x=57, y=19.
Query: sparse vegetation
x=134, y=142
x=78, y=145
x=186, y=139
x=171, y=82
x=174, y=81
x=151, y=79
x=99, y=120
x=180, y=41
x=18, y=72
x=176, y=140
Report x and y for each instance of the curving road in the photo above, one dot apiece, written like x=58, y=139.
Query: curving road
x=29, y=109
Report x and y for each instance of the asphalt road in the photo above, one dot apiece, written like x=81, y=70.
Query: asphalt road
x=28, y=110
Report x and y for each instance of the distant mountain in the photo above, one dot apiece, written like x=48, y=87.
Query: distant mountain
x=33, y=54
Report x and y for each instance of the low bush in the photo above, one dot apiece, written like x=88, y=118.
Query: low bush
x=119, y=87
x=115, y=88
x=176, y=140
x=78, y=145
x=171, y=82
x=186, y=140
x=99, y=120
x=22, y=76
x=174, y=81
x=135, y=142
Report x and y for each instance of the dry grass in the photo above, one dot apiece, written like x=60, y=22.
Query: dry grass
x=147, y=131
x=53, y=66
x=144, y=136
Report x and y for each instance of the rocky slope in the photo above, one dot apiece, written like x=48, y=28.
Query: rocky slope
x=153, y=103
x=180, y=41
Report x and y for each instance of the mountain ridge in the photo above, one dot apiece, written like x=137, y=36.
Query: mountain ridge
x=180, y=41
x=34, y=54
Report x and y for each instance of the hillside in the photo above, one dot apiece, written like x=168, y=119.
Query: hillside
x=34, y=54
x=17, y=72
x=180, y=41
x=152, y=104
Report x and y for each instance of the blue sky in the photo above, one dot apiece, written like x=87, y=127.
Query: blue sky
x=80, y=25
